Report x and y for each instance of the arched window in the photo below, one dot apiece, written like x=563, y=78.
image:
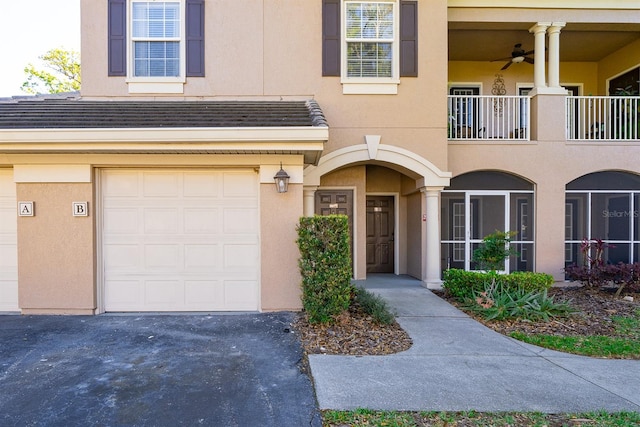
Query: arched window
x=479, y=203
x=603, y=205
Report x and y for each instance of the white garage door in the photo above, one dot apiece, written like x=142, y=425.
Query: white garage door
x=180, y=240
x=8, y=242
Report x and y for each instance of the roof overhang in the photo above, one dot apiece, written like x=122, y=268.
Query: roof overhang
x=305, y=140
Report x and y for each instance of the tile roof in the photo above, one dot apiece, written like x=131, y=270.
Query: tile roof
x=37, y=113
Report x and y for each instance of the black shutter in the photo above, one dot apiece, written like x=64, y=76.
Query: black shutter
x=409, y=39
x=331, y=37
x=195, y=38
x=117, y=50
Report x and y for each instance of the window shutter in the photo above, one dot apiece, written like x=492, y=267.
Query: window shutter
x=195, y=38
x=117, y=51
x=331, y=37
x=409, y=39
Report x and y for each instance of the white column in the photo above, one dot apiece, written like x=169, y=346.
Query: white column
x=539, y=30
x=431, y=256
x=309, y=196
x=554, y=53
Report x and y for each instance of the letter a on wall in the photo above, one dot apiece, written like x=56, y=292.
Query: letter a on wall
x=25, y=209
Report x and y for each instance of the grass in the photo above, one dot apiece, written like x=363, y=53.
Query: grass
x=595, y=345
x=364, y=417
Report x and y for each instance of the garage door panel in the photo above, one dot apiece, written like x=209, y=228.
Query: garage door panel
x=240, y=295
x=121, y=185
x=162, y=257
x=204, y=295
x=121, y=257
x=206, y=220
x=8, y=242
x=160, y=184
x=184, y=248
x=240, y=221
x=161, y=221
x=123, y=295
x=201, y=185
x=121, y=221
x=240, y=256
x=240, y=185
x=163, y=293
x=198, y=257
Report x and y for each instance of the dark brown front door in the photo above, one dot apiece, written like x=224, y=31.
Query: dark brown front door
x=380, y=234
x=336, y=202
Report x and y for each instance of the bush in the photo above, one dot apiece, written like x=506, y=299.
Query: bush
x=325, y=265
x=463, y=284
x=498, y=302
x=374, y=306
x=601, y=275
x=494, y=250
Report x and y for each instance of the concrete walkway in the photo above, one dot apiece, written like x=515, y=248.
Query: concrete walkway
x=458, y=364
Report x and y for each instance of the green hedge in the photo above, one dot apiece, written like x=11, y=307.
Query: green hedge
x=325, y=265
x=463, y=284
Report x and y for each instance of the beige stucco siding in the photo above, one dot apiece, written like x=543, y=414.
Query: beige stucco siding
x=56, y=261
x=280, y=277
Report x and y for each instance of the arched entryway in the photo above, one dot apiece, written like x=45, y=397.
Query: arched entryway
x=394, y=206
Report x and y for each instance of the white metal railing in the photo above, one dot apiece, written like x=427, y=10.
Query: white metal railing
x=479, y=117
x=612, y=118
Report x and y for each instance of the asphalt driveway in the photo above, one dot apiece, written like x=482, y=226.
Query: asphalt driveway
x=153, y=370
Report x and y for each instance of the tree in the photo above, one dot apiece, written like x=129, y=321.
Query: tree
x=494, y=250
x=63, y=77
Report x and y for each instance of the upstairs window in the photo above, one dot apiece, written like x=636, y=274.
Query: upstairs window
x=156, y=39
x=156, y=44
x=370, y=44
x=370, y=39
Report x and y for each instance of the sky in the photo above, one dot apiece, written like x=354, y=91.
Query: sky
x=28, y=29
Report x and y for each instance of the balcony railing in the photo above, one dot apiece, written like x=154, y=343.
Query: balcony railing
x=610, y=118
x=477, y=117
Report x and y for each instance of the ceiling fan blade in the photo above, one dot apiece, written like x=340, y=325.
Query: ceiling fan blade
x=501, y=59
x=507, y=65
x=529, y=60
x=529, y=52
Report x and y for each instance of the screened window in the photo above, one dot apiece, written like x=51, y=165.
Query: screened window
x=479, y=203
x=606, y=206
x=156, y=32
x=369, y=39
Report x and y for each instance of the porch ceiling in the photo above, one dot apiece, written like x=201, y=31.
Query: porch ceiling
x=584, y=42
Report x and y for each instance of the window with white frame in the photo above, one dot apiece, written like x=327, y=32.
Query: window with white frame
x=156, y=39
x=369, y=39
x=370, y=54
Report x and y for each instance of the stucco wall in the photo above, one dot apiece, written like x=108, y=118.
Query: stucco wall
x=258, y=64
x=56, y=264
x=280, y=278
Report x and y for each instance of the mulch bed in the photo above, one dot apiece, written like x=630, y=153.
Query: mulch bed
x=355, y=333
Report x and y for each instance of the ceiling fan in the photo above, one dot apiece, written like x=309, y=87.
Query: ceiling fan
x=517, y=55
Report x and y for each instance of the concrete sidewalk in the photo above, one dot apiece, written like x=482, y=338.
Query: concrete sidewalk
x=458, y=364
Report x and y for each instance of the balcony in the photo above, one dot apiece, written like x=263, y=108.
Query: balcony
x=603, y=118
x=491, y=118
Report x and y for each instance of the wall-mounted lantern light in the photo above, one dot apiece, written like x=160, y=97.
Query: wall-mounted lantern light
x=282, y=180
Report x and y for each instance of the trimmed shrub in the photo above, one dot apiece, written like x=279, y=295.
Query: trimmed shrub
x=325, y=266
x=463, y=284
